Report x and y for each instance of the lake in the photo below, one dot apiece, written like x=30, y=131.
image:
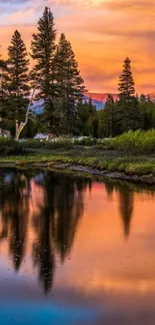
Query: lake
x=75, y=251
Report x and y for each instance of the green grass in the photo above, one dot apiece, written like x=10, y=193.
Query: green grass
x=130, y=166
x=130, y=143
x=133, y=143
x=132, y=153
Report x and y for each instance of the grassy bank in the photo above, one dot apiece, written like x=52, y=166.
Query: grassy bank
x=130, y=143
x=131, y=154
x=131, y=166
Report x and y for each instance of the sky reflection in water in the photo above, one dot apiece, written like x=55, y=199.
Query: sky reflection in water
x=73, y=251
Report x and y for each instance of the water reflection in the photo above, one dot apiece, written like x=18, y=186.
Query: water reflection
x=126, y=202
x=46, y=208
x=54, y=218
x=14, y=205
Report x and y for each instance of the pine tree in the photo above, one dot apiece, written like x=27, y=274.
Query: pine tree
x=150, y=114
x=17, y=85
x=3, y=88
x=87, y=120
x=143, y=108
x=126, y=82
x=127, y=115
x=69, y=84
x=43, y=50
x=127, y=112
x=52, y=118
x=102, y=119
x=109, y=114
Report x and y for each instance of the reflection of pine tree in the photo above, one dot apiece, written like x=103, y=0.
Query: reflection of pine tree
x=43, y=253
x=126, y=201
x=14, y=213
x=109, y=186
x=5, y=214
x=69, y=210
x=126, y=208
x=18, y=229
x=56, y=223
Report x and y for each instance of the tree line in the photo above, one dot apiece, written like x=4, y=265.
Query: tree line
x=129, y=111
x=57, y=80
x=55, y=75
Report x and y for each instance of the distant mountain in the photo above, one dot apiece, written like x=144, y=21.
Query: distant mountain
x=98, y=99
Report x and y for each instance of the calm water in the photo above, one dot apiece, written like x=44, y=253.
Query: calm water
x=75, y=252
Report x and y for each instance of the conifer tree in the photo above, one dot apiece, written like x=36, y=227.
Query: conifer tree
x=127, y=115
x=143, y=108
x=126, y=82
x=3, y=88
x=109, y=115
x=69, y=84
x=127, y=112
x=17, y=85
x=43, y=50
x=86, y=118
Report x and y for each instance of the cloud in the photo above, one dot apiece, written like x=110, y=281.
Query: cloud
x=102, y=34
x=119, y=5
x=104, y=4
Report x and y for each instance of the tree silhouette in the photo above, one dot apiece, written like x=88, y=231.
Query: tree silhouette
x=126, y=81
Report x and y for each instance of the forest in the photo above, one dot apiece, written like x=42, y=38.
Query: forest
x=52, y=70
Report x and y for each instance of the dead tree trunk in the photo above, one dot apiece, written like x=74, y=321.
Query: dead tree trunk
x=20, y=125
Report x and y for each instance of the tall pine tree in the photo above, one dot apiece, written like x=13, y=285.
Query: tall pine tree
x=127, y=112
x=43, y=51
x=126, y=82
x=69, y=84
x=18, y=78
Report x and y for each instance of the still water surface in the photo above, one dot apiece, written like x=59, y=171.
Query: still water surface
x=74, y=251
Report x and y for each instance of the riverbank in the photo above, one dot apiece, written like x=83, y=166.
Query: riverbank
x=137, y=169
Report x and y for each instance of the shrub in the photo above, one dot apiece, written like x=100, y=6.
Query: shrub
x=9, y=146
x=59, y=144
x=33, y=144
x=134, y=143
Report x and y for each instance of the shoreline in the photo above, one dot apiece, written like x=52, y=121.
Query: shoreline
x=147, y=179
x=75, y=165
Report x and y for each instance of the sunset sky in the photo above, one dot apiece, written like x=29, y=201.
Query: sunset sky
x=102, y=33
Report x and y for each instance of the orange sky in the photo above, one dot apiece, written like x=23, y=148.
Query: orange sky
x=102, y=33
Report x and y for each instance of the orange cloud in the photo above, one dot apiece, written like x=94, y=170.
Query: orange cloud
x=103, y=34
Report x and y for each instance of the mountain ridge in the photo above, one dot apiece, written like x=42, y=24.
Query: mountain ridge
x=98, y=100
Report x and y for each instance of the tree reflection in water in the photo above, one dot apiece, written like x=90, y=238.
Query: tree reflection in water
x=14, y=212
x=53, y=219
x=55, y=222
x=126, y=202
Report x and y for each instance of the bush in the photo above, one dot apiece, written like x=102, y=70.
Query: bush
x=59, y=144
x=32, y=144
x=133, y=143
x=9, y=146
